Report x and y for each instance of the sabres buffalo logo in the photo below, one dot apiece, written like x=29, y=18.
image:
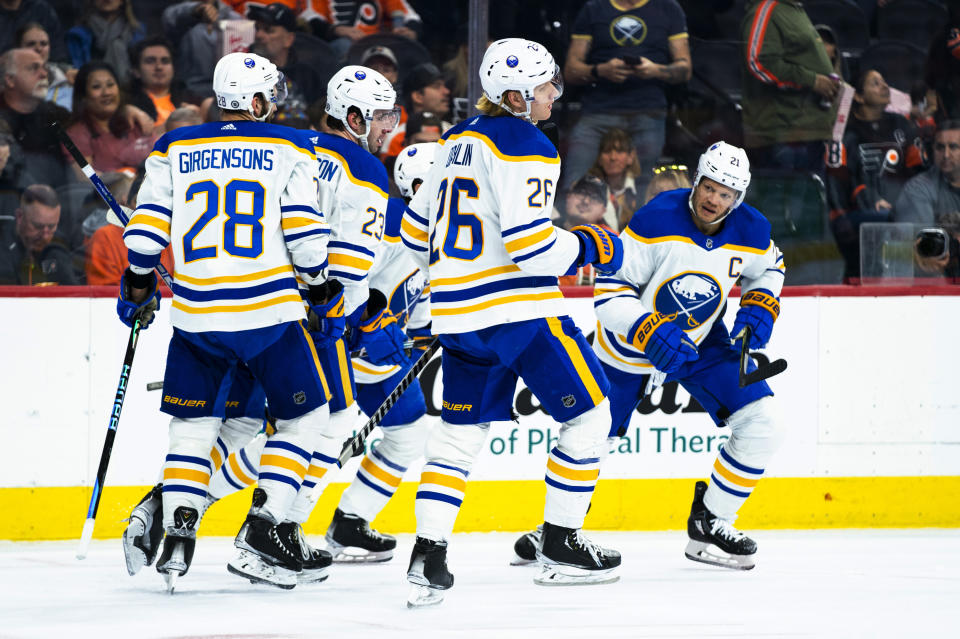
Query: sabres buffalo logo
x=628, y=30
x=406, y=296
x=693, y=297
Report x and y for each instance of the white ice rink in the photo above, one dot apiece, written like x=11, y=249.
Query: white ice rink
x=829, y=583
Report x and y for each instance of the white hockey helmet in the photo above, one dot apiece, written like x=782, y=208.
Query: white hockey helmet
x=365, y=89
x=728, y=165
x=238, y=77
x=515, y=64
x=413, y=163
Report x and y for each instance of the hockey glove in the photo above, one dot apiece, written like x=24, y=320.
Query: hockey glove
x=662, y=342
x=127, y=308
x=759, y=309
x=600, y=247
x=325, y=319
x=379, y=334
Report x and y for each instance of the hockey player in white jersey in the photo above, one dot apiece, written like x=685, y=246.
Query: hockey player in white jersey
x=481, y=224
x=397, y=274
x=659, y=320
x=237, y=199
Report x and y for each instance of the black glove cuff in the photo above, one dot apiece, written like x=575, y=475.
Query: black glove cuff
x=376, y=302
x=323, y=293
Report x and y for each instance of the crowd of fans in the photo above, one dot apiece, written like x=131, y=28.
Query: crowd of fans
x=810, y=93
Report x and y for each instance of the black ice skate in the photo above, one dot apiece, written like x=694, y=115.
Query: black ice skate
x=428, y=573
x=142, y=536
x=351, y=540
x=178, y=546
x=314, y=561
x=263, y=557
x=570, y=559
x=715, y=541
x=525, y=548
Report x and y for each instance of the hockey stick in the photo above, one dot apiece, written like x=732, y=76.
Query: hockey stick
x=87, y=533
x=355, y=445
x=102, y=189
x=763, y=372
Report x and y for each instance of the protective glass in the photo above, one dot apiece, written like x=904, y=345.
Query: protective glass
x=389, y=118
x=557, y=81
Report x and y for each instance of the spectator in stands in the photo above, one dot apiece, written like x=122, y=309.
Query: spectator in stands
x=667, y=178
x=60, y=76
x=942, y=72
x=347, y=22
x=616, y=164
x=306, y=83
x=926, y=197
x=191, y=27
x=31, y=254
x=183, y=116
x=105, y=30
x=830, y=45
x=106, y=253
x=13, y=174
x=15, y=14
x=100, y=130
x=628, y=52
x=29, y=115
x=152, y=87
x=587, y=202
x=947, y=264
x=424, y=91
x=866, y=171
x=382, y=59
x=424, y=127
x=787, y=88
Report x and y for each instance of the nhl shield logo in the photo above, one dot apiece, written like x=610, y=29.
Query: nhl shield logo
x=568, y=401
x=693, y=296
x=299, y=397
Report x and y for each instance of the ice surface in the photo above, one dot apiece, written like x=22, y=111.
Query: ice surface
x=852, y=583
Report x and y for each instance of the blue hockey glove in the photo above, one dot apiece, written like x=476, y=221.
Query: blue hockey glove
x=599, y=247
x=127, y=308
x=421, y=336
x=379, y=334
x=662, y=342
x=325, y=319
x=759, y=309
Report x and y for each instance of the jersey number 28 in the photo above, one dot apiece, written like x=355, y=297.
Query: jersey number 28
x=235, y=218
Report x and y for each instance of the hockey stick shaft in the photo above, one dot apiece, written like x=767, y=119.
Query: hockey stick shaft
x=102, y=189
x=355, y=445
x=87, y=533
x=763, y=372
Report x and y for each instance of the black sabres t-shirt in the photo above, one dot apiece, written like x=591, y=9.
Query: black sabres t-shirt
x=614, y=32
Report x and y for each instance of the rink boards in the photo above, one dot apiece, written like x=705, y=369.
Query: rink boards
x=870, y=405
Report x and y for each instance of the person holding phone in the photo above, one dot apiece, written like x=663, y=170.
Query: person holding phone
x=626, y=53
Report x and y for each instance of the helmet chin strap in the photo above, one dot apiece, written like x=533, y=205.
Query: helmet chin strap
x=361, y=137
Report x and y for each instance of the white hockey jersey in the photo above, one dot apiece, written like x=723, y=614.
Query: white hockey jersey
x=353, y=196
x=670, y=267
x=481, y=222
x=238, y=202
x=397, y=274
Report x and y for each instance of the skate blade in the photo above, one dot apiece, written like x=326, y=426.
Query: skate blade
x=250, y=566
x=709, y=554
x=351, y=555
x=135, y=557
x=555, y=575
x=170, y=578
x=423, y=596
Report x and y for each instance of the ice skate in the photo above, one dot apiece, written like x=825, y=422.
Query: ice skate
x=315, y=562
x=428, y=573
x=351, y=540
x=570, y=559
x=178, y=546
x=525, y=548
x=263, y=557
x=715, y=541
x=142, y=536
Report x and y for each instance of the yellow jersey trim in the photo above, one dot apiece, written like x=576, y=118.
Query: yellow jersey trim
x=493, y=147
x=234, y=138
x=451, y=281
x=234, y=279
x=238, y=308
x=463, y=310
x=346, y=170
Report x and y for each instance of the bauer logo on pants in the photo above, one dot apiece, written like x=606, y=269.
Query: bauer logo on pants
x=692, y=296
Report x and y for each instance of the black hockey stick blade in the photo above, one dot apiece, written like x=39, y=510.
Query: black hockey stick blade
x=354, y=446
x=763, y=372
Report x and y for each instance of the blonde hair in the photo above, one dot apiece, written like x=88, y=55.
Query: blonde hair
x=487, y=107
x=666, y=180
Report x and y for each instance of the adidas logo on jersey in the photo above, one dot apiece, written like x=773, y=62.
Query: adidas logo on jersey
x=228, y=127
